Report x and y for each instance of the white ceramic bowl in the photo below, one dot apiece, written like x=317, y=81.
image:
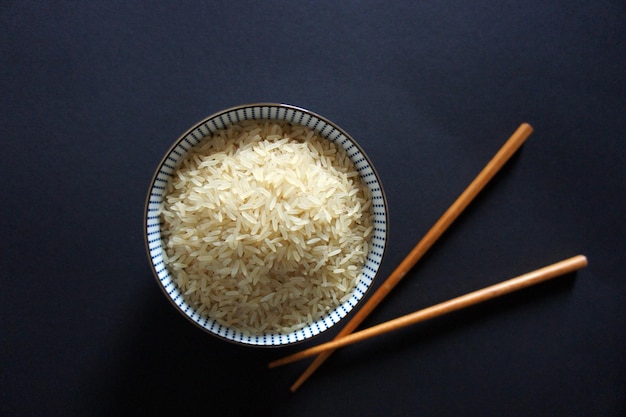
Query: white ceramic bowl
x=263, y=111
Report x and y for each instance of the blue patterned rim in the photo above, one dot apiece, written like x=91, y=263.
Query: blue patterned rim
x=264, y=111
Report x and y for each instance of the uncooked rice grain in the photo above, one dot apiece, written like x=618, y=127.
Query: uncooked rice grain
x=266, y=226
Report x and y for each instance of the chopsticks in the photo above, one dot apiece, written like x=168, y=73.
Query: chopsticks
x=488, y=172
x=523, y=281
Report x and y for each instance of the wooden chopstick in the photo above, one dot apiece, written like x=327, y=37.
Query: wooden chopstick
x=523, y=281
x=493, y=166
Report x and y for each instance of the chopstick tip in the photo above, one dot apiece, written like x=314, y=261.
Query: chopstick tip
x=273, y=364
x=583, y=260
x=527, y=127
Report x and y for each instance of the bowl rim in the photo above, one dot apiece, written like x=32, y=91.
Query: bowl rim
x=382, y=248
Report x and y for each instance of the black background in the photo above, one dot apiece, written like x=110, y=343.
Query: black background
x=92, y=94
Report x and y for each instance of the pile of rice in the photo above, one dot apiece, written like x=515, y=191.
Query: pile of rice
x=266, y=227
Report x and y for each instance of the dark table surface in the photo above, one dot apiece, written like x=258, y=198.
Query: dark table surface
x=93, y=93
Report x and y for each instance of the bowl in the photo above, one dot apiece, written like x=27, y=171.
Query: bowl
x=168, y=272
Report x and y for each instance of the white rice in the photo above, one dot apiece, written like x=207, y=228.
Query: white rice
x=266, y=227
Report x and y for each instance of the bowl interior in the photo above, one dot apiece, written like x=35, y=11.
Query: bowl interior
x=219, y=121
